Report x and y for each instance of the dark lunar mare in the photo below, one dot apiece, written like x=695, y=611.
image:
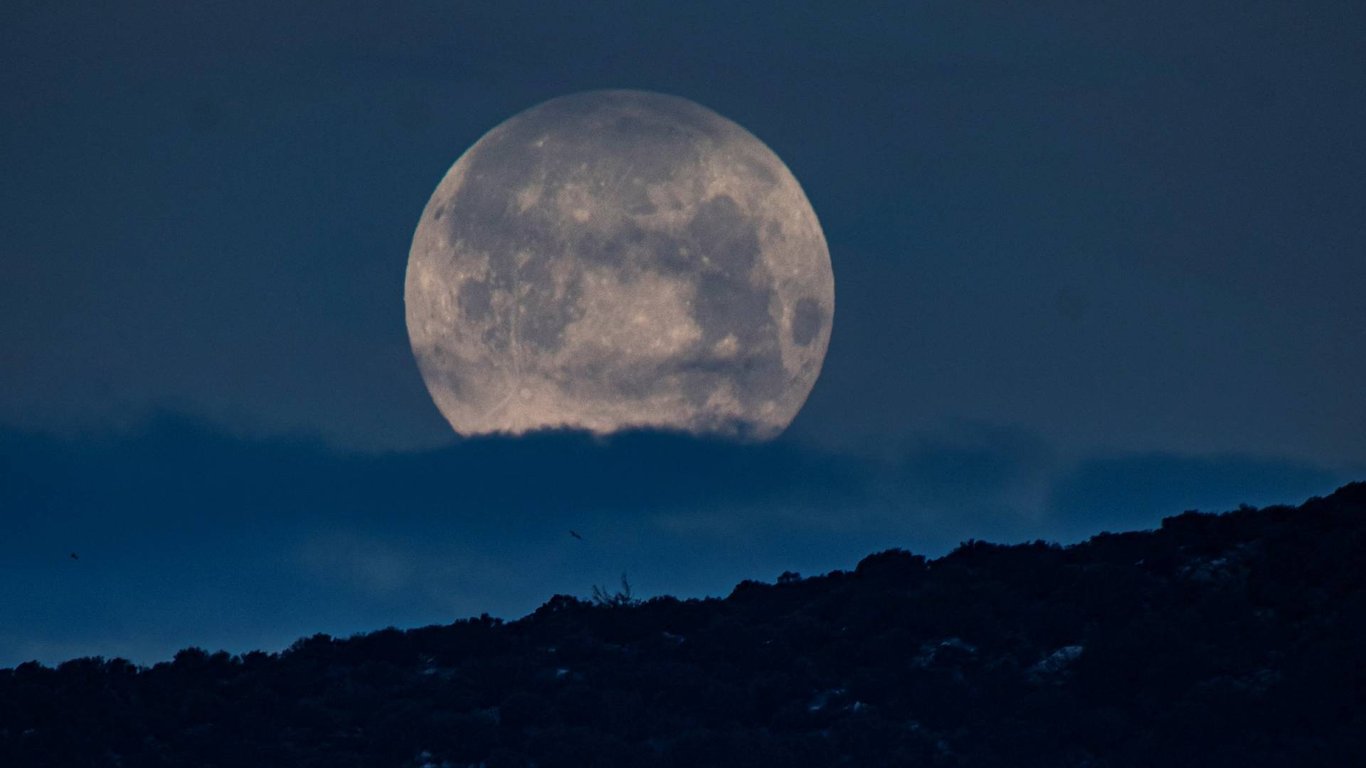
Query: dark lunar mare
x=618, y=158
x=582, y=148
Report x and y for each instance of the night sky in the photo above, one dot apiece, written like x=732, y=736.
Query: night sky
x=1095, y=263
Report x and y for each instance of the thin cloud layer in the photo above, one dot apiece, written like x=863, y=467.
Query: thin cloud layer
x=187, y=535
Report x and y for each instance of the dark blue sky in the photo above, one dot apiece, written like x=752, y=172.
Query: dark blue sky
x=1094, y=262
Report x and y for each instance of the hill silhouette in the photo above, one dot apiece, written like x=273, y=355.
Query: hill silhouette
x=1236, y=639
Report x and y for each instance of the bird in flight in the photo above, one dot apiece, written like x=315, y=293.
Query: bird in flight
x=75, y=556
x=576, y=535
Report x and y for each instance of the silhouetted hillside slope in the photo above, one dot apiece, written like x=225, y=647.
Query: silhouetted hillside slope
x=1218, y=640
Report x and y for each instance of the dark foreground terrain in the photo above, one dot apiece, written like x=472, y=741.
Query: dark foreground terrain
x=1218, y=640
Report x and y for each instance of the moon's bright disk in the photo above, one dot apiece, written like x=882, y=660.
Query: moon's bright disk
x=619, y=259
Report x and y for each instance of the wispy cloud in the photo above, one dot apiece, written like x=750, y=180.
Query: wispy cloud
x=190, y=536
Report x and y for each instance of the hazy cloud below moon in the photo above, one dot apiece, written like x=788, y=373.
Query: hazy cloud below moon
x=619, y=259
x=240, y=544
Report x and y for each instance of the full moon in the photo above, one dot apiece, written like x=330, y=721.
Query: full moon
x=614, y=260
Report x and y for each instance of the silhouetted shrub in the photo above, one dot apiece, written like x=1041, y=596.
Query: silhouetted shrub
x=893, y=564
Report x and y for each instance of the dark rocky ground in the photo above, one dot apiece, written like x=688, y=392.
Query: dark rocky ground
x=1218, y=640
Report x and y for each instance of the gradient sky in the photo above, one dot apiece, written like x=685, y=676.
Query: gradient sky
x=1095, y=263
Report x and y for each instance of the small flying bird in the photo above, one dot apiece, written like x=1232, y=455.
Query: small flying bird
x=576, y=535
x=75, y=556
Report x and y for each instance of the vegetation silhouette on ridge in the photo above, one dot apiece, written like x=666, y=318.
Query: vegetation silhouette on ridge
x=1217, y=640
